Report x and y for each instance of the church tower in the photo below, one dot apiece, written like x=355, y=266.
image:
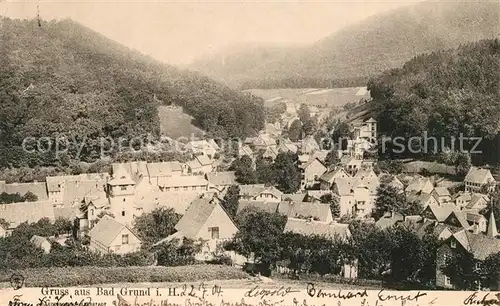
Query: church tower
x=121, y=191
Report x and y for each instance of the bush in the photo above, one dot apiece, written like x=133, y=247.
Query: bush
x=75, y=276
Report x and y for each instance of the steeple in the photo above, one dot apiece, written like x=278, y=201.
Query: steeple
x=492, y=226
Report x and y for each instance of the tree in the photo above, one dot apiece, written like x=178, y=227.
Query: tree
x=389, y=199
x=463, y=163
x=258, y=235
x=29, y=197
x=491, y=270
x=230, y=202
x=156, y=225
x=265, y=171
x=334, y=203
x=332, y=159
x=243, y=168
x=461, y=269
x=177, y=252
x=295, y=131
x=63, y=226
x=286, y=172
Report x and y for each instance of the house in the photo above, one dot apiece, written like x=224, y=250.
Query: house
x=163, y=169
x=70, y=190
x=271, y=152
x=272, y=130
x=260, y=192
x=351, y=164
x=357, y=147
x=424, y=226
x=136, y=170
x=480, y=246
x=477, y=178
x=423, y=198
x=206, y=221
x=185, y=183
x=201, y=164
x=316, y=195
x=311, y=172
x=41, y=243
x=420, y=185
x=306, y=210
x=457, y=220
x=203, y=147
x=245, y=150
x=295, y=197
x=16, y=213
x=179, y=201
x=477, y=222
x=321, y=155
x=442, y=194
x=477, y=202
x=286, y=146
x=331, y=230
x=393, y=181
x=220, y=181
x=366, y=129
x=263, y=141
x=111, y=236
x=438, y=212
x=309, y=145
x=269, y=207
x=356, y=196
x=329, y=177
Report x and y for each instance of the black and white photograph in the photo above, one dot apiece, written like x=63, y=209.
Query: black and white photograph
x=244, y=153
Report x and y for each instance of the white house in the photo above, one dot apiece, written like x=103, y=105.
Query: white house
x=260, y=192
x=476, y=178
x=311, y=172
x=111, y=236
x=204, y=147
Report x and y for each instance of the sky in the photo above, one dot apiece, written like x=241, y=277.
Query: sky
x=178, y=32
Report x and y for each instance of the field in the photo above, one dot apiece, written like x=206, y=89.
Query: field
x=320, y=97
x=175, y=123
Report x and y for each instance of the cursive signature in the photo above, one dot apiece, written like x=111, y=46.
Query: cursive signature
x=473, y=299
x=262, y=293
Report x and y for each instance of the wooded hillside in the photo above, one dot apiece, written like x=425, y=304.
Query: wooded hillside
x=60, y=78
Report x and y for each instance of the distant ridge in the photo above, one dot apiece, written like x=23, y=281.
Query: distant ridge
x=359, y=51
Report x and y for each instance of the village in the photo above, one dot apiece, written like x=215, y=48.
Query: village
x=104, y=206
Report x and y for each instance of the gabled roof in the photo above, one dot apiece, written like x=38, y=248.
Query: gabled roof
x=346, y=186
x=17, y=213
x=476, y=200
x=196, y=215
x=440, y=212
x=270, y=207
x=204, y=160
x=442, y=191
x=245, y=150
x=76, y=191
x=330, y=175
x=222, y=178
x=264, y=140
x=256, y=189
x=418, y=184
x=121, y=177
x=299, y=210
x=200, y=145
x=479, y=245
x=307, y=228
x=163, y=168
x=460, y=217
x=473, y=217
x=317, y=194
x=68, y=213
x=419, y=197
x=478, y=176
x=287, y=147
x=295, y=197
x=179, y=201
x=106, y=230
x=321, y=155
x=182, y=181
x=312, y=161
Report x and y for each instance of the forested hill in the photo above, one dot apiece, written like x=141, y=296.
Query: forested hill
x=444, y=94
x=360, y=50
x=61, y=78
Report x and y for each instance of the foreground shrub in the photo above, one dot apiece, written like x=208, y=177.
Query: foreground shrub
x=77, y=276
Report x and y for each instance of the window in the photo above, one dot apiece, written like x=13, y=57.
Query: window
x=185, y=188
x=123, y=188
x=447, y=280
x=215, y=232
x=125, y=239
x=123, y=213
x=91, y=212
x=453, y=244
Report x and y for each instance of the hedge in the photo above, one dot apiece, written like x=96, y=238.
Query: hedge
x=77, y=276
x=336, y=279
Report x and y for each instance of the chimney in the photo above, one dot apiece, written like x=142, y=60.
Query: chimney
x=492, y=226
